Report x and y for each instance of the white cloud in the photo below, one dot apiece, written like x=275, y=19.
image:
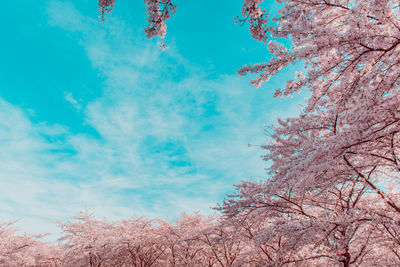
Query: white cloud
x=64, y=14
x=68, y=96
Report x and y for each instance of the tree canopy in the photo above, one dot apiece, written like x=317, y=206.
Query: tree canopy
x=332, y=194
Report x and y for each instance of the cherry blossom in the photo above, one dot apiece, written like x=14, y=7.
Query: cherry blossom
x=331, y=196
x=105, y=6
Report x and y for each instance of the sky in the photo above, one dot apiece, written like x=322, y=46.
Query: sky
x=93, y=116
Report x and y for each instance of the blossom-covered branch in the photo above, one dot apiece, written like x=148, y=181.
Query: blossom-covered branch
x=158, y=12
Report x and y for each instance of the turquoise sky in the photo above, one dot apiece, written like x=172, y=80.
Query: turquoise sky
x=94, y=116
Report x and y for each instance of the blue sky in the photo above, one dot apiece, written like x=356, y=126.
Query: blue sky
x=94, y=116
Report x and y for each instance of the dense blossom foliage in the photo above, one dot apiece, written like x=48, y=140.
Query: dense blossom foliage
x=332, y=196
x=158, y=12
x=25, y=250
x=345, y=145
x=105, y=6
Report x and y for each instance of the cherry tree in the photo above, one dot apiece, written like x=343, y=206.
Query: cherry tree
x=25, y=250
x=141, y=242
x=222, y=244
x=88, y=242
x=350, y=125
x=303, y=228
x=184, y=248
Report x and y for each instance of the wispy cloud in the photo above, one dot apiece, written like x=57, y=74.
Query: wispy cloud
x=75, y=103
